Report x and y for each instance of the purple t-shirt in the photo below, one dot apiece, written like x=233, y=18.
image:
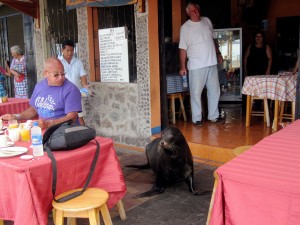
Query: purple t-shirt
x=52, y=102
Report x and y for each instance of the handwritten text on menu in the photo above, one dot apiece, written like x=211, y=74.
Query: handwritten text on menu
x=113, y=45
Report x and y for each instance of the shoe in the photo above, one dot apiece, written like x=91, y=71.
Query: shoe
x=198, y=124
x=217, y=120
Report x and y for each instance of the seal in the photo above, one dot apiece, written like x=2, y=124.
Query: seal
x=171, y=160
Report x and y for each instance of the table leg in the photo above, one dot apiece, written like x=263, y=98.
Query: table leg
x=248, y=110
x=275, y=121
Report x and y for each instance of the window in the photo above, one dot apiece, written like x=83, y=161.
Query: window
x=121, y=16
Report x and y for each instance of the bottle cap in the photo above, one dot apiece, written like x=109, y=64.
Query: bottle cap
x=35, y=123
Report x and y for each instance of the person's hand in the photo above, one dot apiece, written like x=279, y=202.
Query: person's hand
x=44, y=124
x=7, y=117
x=183, y=72
x=220, y=58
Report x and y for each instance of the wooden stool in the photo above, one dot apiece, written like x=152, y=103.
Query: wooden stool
x=173, y=113
x=250, y=113
x=283, y=111
x=1, y=222
x=239, y=150
x=87, y=205
x=280, y=113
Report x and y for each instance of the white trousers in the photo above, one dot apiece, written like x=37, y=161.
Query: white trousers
x=198, y=79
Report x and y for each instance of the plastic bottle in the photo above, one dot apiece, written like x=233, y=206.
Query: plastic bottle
x=37, y=140
x=184, y=81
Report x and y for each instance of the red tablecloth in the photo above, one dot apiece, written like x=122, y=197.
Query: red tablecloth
x=14, y=105
x=262, y=185
x=25, y=189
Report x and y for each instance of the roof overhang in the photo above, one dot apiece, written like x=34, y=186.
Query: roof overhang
x=30, y=8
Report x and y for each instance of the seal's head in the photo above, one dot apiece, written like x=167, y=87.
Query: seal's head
x=172, y=141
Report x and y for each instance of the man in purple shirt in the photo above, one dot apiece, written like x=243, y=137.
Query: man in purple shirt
x=54, y=100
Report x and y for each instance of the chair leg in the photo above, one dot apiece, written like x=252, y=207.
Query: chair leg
x=121, y=210
x=293, y=111
x=248, y=110
x=281, y=111
x=266, y=112
x=173, y=110
x=94, y=217
x=182, y=108
x=105, y=215
x=59, y=219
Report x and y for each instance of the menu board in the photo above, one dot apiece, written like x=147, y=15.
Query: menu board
x=113, y=45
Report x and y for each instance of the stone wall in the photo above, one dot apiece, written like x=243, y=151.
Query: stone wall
x=120, y=111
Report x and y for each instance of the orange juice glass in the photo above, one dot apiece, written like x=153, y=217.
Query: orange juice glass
x=24, y=132
x=13, y=124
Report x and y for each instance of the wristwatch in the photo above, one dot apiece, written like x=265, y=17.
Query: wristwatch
x=17, y=116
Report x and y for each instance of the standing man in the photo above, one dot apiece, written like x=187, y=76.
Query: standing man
x=199, y=48
x=74, y=70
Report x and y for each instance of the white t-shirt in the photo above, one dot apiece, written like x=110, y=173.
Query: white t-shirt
x=74, y=70
x=197, y=39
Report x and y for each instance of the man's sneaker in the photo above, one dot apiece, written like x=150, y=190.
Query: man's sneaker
x=198, y=124
x=217, y=120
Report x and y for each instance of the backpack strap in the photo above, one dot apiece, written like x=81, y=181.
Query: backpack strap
x=54, y=174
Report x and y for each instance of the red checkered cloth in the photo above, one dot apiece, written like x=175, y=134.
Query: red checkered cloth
x=275, y=87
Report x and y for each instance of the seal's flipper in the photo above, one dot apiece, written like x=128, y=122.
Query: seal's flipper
x=154, y=191
x=145, y=166
x=190, y=183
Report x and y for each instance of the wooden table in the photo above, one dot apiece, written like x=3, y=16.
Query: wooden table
x=14, y=105
x=25, y=190
x=262, y=185
x=274, y=87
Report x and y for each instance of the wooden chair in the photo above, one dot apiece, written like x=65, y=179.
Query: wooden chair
x=264, y=113
x=87, y=205
x=239, y=150
x=173, y=112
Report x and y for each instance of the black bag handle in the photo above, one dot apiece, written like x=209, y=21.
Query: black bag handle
x=54, y=174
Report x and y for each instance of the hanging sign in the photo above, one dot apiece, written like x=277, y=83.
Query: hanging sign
x=113, y=46
x=72, y=4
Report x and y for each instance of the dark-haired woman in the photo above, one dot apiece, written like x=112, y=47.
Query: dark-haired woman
x=258, y=56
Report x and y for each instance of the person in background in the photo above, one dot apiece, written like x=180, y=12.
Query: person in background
x=296, y=68
x=3, y=73
x=54, y=99
x=74, y=70
x=19, y=72
x=202, y=52
x=258, y=56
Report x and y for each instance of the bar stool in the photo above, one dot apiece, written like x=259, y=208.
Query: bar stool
x=173, y=112
x=87, y=205
x=250, y=112
x=282, y=113
x=283, y=107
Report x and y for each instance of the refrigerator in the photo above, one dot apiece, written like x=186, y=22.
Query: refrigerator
x=230, y=71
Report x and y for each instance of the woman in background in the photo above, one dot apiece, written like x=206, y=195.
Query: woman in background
x=258, y=56
x=19, y=72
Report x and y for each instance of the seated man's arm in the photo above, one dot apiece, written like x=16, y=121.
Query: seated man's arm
x=48, y=123
x=25, y=115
